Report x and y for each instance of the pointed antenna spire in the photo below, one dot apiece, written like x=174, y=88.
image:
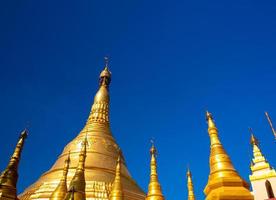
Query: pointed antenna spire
x=190, y=186
x=270, y=124
x=77, y=185
x=117, y=189
x=106, y=60
x=61, y=190
x=154, y=188
x=223, y=177
x=9, y=177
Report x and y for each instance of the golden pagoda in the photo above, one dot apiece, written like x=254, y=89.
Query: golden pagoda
x=117, y=190
x=154, y=188
x=101, y=160
x=263, y=177
x=224, y=182
x=61, y=190
x=9, y=177
x=190, y=186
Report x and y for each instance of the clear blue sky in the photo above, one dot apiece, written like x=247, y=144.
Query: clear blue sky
x=171, y=60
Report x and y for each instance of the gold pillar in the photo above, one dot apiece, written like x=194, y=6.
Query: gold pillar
x=9, y=177
x=117, y=190
x=61, y=190
x=154, y=188
x=224, y=182
x=191, y=195
x=77, y=184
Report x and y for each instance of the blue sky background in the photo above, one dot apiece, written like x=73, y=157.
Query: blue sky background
x=171, y=60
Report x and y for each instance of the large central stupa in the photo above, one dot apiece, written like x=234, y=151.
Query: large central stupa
x=102, y=153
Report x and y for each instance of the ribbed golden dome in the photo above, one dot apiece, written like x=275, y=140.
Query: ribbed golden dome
x=102, y=154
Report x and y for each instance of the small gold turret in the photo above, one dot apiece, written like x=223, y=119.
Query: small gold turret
x=154, y=188
x=9, y=177
x=224, y=181
x=61, y=190
x=190, y=186
x=260, y=168
x=100, y=109
x=117, y=189
x=77, y=184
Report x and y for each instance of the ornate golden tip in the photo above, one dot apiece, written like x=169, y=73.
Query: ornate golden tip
x=152, y=149
x=208, y=116
x=210, y=120
x=253, y=139
x=106, y=73
x=188, y=172
x=24, y=134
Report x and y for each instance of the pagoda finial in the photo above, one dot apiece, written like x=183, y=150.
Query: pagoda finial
x=77, y=185
x=9, y=177
x=223, y=176
x=270, y=124
x=191, y=195
x=154, y=188
x=210, y=120
x=100, y=108
x=117, y=189
x=253, y=139
x=61, y=190
x=105, y=76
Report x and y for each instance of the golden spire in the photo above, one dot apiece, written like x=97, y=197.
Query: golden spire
x=224, y=181
x=104, y=148
x=270, y=124
x=154, y=188
x=260, y=168
x=191, y=195
x=77, y=185
x=8, y=178
x=100, y=109
x=117, y=189
x=61, y=190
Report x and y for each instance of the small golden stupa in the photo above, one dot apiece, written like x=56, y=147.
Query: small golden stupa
x=154, y=188
x=117, y=189
x=101, y=156
x=224, y=182
x=9, y=177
